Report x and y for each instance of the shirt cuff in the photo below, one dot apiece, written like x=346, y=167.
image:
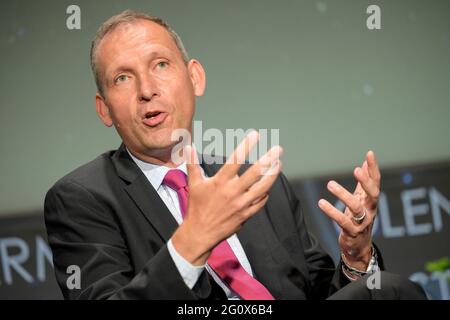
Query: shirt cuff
x=188, y=272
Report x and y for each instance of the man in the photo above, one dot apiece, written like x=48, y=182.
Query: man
x=139, y=229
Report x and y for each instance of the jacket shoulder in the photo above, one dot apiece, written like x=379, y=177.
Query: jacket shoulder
x=89, y=173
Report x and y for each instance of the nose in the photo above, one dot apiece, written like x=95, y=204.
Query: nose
x=147, y=89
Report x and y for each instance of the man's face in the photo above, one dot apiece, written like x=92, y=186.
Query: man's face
x=149, y=90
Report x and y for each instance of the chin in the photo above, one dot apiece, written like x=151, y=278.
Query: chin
x=160, y=144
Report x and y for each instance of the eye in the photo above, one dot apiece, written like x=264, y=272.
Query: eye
x=163, y=64
x=121, y=78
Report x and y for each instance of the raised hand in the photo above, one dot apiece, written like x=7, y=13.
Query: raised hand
x=356, y=222
x=218, y=206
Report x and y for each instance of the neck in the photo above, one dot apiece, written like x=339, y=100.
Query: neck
x=160, y=157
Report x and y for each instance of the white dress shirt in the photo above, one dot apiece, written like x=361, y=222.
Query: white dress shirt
x=190, y=273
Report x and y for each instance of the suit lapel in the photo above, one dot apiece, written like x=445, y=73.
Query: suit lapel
x=152, y=206
x=144, y=195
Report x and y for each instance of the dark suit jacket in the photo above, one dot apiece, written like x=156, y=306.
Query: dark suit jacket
x=106, y=218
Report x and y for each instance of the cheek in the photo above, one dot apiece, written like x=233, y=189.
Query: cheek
x=185, y=98
x=122, y=113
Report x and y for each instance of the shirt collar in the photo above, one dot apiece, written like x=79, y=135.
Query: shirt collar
x=155, y=173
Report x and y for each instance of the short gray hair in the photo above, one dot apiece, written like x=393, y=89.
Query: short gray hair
x=128, y=16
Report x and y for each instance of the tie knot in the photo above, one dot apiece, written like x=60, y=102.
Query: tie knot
x=175, y=179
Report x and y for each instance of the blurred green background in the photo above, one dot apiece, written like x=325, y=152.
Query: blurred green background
x=309, y=68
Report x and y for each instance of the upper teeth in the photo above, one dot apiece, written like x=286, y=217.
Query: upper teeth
x=152, y=115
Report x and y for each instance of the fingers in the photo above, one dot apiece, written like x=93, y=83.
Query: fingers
x=260, y=198
x=341, y=219
x=237, y=158
x=192, y=164
x=264, y=166
x=368, y=184
x=351, y=201
x=346, y=223
x=262, y=187
x=255, y=207
x=374, y=170
x=365, y=196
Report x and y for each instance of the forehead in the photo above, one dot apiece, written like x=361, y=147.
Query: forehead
x=132, y=40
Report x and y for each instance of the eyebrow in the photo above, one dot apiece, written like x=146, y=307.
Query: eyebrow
x=122, y=69
x=151, y=56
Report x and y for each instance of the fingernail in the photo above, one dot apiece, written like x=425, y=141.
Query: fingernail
x=332, y=185
x=280, y=151
x=253, y=134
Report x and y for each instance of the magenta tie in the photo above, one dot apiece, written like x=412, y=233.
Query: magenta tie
x=222, y=259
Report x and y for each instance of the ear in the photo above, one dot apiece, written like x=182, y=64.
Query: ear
x=103, y=110
x=198, y=77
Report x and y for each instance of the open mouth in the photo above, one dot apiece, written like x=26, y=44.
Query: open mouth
x=154, y=118
x=152, y=114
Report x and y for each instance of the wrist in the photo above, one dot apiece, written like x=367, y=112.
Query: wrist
x=356, y=271
x=358, y=261
x=350, y=275
x=190, y=246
